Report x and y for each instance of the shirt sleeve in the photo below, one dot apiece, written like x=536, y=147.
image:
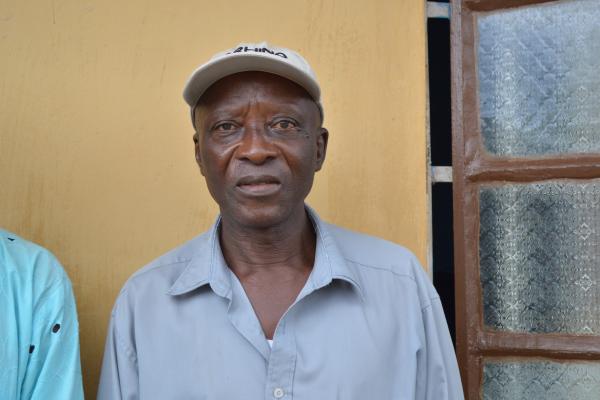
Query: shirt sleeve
x=119, y=375
x=439, y=378
x=54, y=368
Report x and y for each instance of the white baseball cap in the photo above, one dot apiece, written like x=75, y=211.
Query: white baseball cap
x=252, y=57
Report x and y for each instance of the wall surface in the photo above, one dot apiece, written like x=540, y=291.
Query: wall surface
x=96, y=156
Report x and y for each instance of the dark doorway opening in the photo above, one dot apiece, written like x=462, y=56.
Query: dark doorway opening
x=438, y=37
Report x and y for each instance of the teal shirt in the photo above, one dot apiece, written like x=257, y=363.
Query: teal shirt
x=39, y=340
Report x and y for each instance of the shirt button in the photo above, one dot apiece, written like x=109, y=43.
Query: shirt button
x=278, y=393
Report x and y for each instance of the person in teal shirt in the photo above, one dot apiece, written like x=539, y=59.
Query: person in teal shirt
x=39, y=339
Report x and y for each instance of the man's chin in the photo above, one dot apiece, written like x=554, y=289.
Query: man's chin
x=262, y=217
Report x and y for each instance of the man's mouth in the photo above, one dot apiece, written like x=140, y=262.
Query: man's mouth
x=262, y=185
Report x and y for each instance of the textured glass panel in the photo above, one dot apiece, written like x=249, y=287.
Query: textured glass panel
x=539, y=86
x=541, y=380
x=540, y=257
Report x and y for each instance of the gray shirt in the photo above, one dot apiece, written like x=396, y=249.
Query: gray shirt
x=368, y=324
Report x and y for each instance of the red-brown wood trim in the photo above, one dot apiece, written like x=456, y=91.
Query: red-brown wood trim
x=473, y=166
x=491, y=5
x=475, y=371
x=460, y=281
x=473, y=292
x=473, y=144
x=572, y=347
x=527, y=170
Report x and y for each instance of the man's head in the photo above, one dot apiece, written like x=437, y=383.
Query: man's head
x=258, y=143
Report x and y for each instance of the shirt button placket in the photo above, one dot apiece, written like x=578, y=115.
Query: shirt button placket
x=282, y=361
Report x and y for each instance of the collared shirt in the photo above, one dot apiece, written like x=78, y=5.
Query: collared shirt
x=368, y=324
x=39, y=341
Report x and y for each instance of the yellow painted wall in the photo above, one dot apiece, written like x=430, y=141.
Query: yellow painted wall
x=96, y=156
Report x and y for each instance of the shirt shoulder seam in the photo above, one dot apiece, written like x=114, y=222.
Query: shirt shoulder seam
x=429, y=303
x=53, y=291
x=128, y=350
x=144, y=271
x=386, y=269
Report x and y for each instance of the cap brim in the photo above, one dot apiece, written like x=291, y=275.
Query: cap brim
x=203, y=77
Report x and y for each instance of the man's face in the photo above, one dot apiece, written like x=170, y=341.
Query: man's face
x=259, y=143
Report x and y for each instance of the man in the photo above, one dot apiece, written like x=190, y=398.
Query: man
x=39, y=342
x=272, y=302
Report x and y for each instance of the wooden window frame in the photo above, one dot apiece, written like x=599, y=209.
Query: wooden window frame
x=473, y=166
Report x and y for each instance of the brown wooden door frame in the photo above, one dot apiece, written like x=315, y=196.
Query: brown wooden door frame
x=472, y=166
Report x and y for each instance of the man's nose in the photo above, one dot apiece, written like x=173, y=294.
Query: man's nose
x=255, y=145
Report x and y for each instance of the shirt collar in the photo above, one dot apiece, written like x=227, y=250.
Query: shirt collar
x=330, y=264
x=207, y=265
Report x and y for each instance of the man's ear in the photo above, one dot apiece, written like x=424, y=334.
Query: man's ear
x=196, y=138
x=322, y=139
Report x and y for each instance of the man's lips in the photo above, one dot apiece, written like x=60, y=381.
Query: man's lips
x=262, y=185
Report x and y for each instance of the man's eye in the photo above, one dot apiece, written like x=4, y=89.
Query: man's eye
x=285, y=125
x=224, y=127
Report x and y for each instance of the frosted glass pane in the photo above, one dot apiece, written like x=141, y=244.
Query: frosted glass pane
x=539, y=249
x=539, y=86
x=541, y=380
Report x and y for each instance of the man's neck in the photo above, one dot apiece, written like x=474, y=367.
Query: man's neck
x=290, y=245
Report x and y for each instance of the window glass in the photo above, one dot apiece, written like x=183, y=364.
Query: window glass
x=539, y=86
x=541, y=380
x=539, y=249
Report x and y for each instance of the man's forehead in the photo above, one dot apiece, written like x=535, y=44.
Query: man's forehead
x=235, y=92
x=241, y=84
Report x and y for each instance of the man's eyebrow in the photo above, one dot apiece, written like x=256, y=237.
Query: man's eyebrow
x=297, y=111
x=227, y=110
x=202, y=113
